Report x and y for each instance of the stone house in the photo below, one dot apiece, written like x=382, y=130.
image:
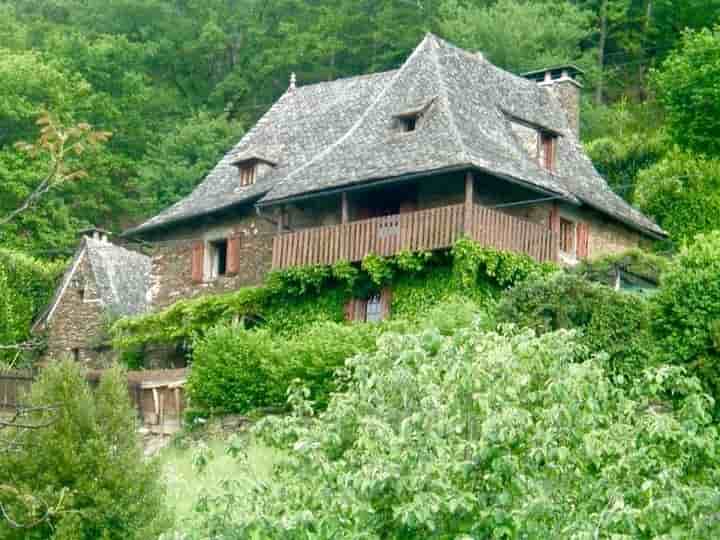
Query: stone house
x=103, y=282
x=447, y=145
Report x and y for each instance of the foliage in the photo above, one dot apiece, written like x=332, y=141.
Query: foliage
x=636, y=261
x=682, y=192
x=611, y=322
x=688, y=86
x=688, y=311
x=236, y=370
x=89, y=457
x=298, y=297
x=483, y=434
x=26, y=286
x=518, y=35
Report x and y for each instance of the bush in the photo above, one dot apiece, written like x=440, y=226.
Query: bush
x=236, y=370
x=612, y=322
x=485, y=435
x=83, y=475
x=26, y=286
x=688, y=311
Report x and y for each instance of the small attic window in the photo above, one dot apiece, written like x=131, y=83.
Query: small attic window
x=247, y=173
x=548, y=150
x=408, y=123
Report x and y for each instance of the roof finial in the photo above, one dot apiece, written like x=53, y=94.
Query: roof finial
x=293, y=81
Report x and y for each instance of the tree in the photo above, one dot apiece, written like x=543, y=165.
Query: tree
x=682, y=192
x=85, y=463
x=519, y=35
x=485, y=434
x=688, y=87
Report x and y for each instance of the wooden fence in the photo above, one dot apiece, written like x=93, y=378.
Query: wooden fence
x=14, y=384
x=436, y=228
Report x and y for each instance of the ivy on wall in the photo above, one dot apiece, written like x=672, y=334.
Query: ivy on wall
x=293, y=299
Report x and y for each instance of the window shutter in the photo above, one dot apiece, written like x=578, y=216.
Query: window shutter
x=198, y=261
x=233, y=254
x=554, y=218
x=386, y=302
x=583, y=237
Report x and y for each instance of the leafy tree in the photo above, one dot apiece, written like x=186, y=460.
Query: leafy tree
x=682, y=192
x=688, y=86
x=86, y=464
x=520, y=35
x=483, y=434
x=175, y=165
x=688, y=311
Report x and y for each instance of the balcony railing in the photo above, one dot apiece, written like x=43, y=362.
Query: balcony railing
x=432, y=229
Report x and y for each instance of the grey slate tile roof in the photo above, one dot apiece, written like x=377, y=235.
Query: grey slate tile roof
x=338, y=134
x=121, y=279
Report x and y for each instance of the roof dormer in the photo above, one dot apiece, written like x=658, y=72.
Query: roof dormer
x=252, y=166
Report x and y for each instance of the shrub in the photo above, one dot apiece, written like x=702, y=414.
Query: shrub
x=613, y=322
x=485, y=435
x=236, y=370
x=688, y=310
x=85, y=466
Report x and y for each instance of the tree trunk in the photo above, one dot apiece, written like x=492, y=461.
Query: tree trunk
x=599, y=91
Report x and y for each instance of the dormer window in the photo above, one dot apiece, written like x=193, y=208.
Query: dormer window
x=548, y=148
x=408, y=123
x=247, y=173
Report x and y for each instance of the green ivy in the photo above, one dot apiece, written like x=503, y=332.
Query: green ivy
x=294, y=299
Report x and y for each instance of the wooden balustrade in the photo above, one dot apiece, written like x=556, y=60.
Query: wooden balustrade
x=436, y=228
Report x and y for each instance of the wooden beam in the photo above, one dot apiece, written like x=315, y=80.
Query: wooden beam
x=469, y=199
x=345, y=207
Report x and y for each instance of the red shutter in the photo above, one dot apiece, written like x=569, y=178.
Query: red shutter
x=386, y=302
x=198, y=261
x=583, y=237
x=233, y=254
x=554, y=218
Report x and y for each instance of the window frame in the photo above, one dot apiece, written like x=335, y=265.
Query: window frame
x=373, y=308
x=216, y=253
x=564, y=221
x=248, y=173
x=548, y=150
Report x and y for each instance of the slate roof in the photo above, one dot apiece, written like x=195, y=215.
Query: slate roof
x=339, y=134
x=121, y=279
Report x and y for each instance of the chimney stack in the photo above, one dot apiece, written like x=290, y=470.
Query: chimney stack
x=95, y=233
x=563, y=82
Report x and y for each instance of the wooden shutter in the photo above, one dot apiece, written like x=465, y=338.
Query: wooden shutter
x=198, y=261
x=233, y=254
x=385, y=302
x=583, y=240
x=554, y=222
x=548, y=146
x=355, y=309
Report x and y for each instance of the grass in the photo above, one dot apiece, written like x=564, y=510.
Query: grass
x=186, y=483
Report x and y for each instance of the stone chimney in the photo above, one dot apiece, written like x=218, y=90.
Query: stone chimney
x=95, y=233
x=563, y=82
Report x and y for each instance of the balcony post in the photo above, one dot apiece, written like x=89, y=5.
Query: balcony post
x=344, y=207
x=469, y=198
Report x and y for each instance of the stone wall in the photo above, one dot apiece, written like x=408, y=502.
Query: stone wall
x=78, y=325
x=171, y=276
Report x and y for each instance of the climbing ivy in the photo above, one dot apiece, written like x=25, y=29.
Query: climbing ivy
x=294, y=299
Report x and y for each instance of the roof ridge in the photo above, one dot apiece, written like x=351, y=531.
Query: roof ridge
x=444, y=95
x=345, y=79
x=358, y=122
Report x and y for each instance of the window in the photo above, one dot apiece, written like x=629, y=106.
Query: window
x=247, y=174
x=408, y=123
x=217, y=258
x=374, y=309
x=81, y=293
x=567, y=236
x=548, y=143
x=76, y=355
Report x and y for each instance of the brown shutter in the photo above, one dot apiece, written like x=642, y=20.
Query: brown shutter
x=385, y=302
x=554, y=218
x=350, y=309
x=583, y=237
x=198, y=261
x=233, y=254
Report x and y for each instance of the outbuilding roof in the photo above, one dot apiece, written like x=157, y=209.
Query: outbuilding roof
x=339, y=134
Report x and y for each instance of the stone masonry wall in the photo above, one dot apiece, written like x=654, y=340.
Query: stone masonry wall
x=78, y=326
x=171, y=275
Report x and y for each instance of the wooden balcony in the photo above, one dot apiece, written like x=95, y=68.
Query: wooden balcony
x=424, y=230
